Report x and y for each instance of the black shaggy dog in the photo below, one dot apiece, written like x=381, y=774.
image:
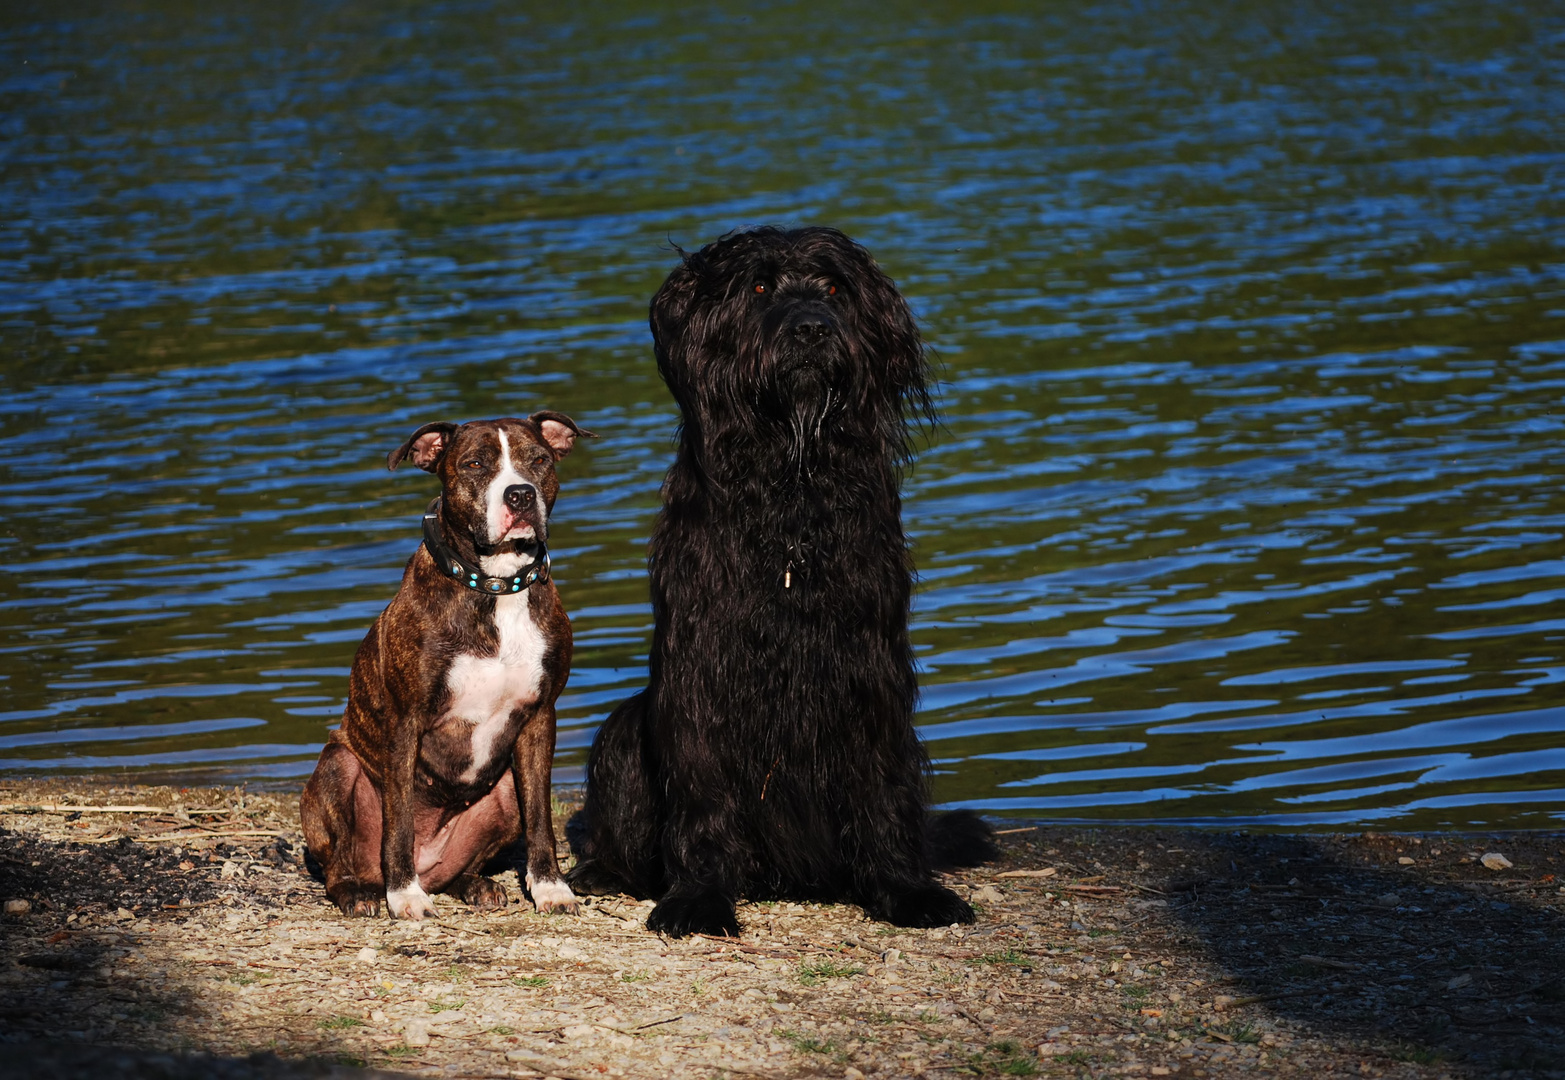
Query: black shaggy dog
x=772, y=754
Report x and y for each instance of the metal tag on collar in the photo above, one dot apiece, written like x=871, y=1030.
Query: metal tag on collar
x=540, y=569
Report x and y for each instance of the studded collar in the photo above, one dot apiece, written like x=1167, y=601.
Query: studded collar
x=473, y=576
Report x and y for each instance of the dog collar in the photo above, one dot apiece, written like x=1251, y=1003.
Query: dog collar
x=471, y=576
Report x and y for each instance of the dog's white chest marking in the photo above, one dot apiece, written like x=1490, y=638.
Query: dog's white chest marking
x=486, y=690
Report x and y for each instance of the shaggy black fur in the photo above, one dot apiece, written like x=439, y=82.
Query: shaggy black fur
x=772, y=753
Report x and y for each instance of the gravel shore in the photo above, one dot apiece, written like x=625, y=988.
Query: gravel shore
x=155, y=931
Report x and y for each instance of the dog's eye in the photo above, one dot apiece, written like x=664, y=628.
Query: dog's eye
x=472, y=463
x=831, y=290
x=759, y=287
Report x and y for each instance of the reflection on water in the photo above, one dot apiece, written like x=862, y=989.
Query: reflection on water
x=1251, y=320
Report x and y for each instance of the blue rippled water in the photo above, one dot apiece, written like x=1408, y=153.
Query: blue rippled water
x=1247, y=502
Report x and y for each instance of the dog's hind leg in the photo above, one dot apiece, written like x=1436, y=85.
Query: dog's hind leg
x=476, y=836
x=339, y=835
x=616, y=847
x=958, y=838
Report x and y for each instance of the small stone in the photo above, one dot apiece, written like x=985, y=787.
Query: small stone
x=986, y=1015
x=1389, y=899
x=1404, y=860
x=1495, y=861
x=1222, y=1001
x=986, y=895
x=367, y=955
x=18, y=907
x=231, y=869
x=579, y=1031
x=852, y=1074
x=1048, y=985
x=377, y=1016
x=519, y=1055
x=570, y=952
x=1458, y=982
x=416, y=1033
x=124, y=915
x=892, y=956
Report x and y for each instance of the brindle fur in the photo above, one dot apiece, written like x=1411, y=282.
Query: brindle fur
x=391, y=778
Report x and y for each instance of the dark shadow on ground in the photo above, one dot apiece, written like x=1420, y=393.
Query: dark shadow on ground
x=1439, y=959
x=68, y=1061
x=62, y=993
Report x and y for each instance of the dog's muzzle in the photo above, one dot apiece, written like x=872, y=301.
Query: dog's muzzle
x=807, y=346
x=808, y=329
x=807, y=325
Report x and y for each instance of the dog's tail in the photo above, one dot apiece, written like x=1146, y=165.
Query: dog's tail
x=959, y=838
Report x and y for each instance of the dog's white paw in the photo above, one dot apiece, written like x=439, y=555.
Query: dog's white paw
x=552, y=895
x=410, y=903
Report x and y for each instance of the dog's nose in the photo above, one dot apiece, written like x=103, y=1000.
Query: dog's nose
x=520, y=496
x=808, y=331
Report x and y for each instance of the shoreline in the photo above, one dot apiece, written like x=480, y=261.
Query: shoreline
x=185, y=929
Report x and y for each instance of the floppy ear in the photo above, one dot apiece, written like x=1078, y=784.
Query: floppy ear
x=559, y=431
x=670, y=307
x=669, y=315
x=892, y=334
x=426, y=445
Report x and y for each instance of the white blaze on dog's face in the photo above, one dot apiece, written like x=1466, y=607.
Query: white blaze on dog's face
x=511, y=504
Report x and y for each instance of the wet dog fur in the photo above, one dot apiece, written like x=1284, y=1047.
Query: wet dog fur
x=772, y=753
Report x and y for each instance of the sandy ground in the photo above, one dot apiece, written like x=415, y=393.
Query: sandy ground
x=182, y=937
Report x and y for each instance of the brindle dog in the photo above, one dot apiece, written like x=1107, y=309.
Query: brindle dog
x=447, y=741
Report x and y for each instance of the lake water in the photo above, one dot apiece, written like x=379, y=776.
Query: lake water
x=1247, y=507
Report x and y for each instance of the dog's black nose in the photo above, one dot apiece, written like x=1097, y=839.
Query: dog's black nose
x=809, y=331
x=520, y=496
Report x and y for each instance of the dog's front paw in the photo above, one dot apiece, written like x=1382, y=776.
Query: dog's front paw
x=925, y=905
x=551, y=896
x=410, y=903
x=701, y=913
x=355, y=900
